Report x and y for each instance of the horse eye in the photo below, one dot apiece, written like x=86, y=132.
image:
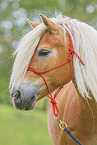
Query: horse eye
x=43, y=52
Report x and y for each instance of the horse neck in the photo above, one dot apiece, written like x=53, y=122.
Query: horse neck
x=88, y=104
x=78, y=112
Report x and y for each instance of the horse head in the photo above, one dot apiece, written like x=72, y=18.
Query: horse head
x=50, y=46
x=51, y=51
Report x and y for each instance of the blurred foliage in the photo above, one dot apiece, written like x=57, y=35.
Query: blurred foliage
x=13, y=26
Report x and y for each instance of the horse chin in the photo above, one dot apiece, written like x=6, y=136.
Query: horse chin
x=30, y=107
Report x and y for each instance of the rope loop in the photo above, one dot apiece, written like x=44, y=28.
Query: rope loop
x=55, y=107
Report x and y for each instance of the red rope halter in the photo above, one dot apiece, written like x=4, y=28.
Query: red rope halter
x=54, y=103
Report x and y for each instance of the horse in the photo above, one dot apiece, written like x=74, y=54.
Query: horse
x=58, y=58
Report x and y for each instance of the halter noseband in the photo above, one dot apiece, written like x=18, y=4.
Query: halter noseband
x=71, y=52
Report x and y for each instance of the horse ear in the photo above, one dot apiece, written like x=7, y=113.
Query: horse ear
x=32, y=24
x=52, y=27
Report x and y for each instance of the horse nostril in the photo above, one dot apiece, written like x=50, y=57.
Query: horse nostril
x=33, y=98
x=17, y=95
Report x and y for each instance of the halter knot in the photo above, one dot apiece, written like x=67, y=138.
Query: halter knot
x=38, y=72
x=53, y=101
x=71, y=49
x=55, y=108
x=70, y=59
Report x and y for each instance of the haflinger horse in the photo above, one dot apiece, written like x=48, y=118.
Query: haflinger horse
x=59, y=58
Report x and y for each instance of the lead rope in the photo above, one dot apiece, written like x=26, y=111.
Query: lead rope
x=54, y=103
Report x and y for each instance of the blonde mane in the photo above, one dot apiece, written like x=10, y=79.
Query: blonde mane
x=84, y=39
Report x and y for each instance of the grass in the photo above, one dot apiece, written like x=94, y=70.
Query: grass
x=23, y=128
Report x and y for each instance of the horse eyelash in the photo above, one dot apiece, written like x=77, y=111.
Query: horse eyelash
x=43, y=52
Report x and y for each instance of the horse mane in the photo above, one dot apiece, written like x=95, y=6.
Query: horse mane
x=85, y=44
x=84, y=39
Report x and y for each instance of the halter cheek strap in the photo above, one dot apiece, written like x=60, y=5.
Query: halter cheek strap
x=71, y=52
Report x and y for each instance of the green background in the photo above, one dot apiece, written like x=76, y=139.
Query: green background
x=20, y=127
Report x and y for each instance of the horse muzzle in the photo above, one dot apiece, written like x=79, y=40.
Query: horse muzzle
x=24, y=98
